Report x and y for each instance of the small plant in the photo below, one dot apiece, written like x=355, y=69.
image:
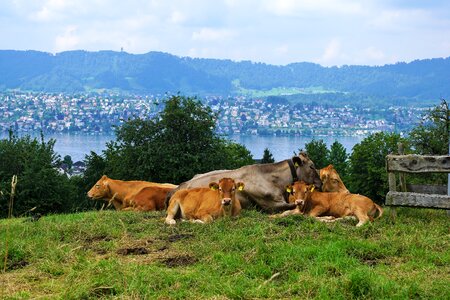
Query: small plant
x=10, y=210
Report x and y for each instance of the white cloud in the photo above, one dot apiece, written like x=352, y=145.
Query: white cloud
x=332, y=51
x=304, y=7
x=212, y=35
x=68, y=40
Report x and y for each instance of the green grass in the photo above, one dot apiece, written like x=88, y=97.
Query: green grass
x=127, y=255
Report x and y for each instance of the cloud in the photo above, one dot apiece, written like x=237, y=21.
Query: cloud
x=68, y=40
x=212, y=35
x=304, y=7
x=332, y=51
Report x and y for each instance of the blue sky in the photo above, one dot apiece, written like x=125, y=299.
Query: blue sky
x=327, y=32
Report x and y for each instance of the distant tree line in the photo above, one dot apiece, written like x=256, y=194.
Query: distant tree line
x=182, y=142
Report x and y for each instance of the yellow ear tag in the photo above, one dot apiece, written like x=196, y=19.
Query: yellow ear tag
x=296, y=165
x=241, y=188
x=213, y=188
x=289, y=190
x=313, y=188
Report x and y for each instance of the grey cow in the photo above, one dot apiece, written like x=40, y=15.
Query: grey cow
x=264, y=183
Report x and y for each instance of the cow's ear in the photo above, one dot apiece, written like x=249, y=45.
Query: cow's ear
x=289, y=188
x=214, y=186
x=104, y=177
x=240, y=186
x=297, y=161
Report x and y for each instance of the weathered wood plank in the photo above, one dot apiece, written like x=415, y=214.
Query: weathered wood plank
x=427, y=188
x=418, y=163
x=420, y=200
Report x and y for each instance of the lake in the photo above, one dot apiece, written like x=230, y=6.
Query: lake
x=281, y=147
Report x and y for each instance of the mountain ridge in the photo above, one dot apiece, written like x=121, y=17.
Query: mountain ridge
x=160, y=72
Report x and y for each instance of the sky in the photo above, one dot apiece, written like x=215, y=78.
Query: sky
x=279, y=32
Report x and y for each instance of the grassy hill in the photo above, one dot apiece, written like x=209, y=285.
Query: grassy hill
x=127, y=255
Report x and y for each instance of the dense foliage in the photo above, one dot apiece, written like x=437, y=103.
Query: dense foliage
x=322, y=156
x=172, y=147
x=40, y=187
x=367, y=168
x=431, y=137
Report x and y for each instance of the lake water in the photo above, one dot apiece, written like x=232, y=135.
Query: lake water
x=281, y=147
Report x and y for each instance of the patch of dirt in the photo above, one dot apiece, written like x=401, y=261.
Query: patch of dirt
x=176, y=237
x=101, y=291
x=133, y=251
x=98, y=238
x=179, y=261
x=16, y=265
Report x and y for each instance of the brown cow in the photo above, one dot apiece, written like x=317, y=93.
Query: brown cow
x=331, y=181
x=131, y=195
x=264, y=183
x=203, y=205
x=330, y=206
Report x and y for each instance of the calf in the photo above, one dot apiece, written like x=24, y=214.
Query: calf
x=131, y=195
x=264, y=183
x=331, y=181
x=330, y=206
x=203, y=205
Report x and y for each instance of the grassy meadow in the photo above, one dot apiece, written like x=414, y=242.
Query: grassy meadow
x=129, y=255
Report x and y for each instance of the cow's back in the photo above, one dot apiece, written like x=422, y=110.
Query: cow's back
x=151, y=197
x=197, y=202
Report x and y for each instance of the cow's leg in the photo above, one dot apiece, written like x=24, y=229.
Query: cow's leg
x=280, y=206
x=362, y=217
x=316, y=211
x=286, y=213
x=172, y=211
x=207, y=218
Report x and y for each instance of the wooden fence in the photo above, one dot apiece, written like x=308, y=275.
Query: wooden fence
x=401, y=164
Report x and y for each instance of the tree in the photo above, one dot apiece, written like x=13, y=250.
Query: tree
x=267, y=157
x=318, y=152
x=337, y=156
x=68, y=161
x=431, y=136
x=173, y=146
x=367, y=169
x=39, y=185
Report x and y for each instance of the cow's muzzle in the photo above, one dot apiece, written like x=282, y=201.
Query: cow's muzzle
x=299, y=202
x=226, y=201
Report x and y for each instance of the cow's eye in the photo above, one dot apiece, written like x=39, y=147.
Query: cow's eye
x=220, y=189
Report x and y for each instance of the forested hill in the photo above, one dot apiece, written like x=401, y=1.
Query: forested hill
x=157, y=72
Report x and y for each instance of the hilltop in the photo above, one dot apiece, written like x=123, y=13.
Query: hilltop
x=159, y=73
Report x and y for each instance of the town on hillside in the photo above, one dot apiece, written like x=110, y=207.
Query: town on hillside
x=100, y=113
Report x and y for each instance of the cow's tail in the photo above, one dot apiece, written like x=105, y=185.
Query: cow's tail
x=168, y=196
x=172, y=211
x=379, y=209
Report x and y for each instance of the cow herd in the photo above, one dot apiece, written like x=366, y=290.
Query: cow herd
x=284, y=188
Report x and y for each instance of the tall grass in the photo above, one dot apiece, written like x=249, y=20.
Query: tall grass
x=129, y=255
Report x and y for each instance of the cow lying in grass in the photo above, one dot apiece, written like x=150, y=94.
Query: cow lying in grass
x=264, y=183
x=131, y=195
x=202, y=205
x=330, y=207
x=331, y=181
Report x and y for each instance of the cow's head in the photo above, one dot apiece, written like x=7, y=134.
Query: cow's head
x=227, y=189
x=100, y=189
x=306, y=171
x=331, y=181
x=299, y=192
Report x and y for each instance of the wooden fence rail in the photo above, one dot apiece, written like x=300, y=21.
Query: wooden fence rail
x=415, y=164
